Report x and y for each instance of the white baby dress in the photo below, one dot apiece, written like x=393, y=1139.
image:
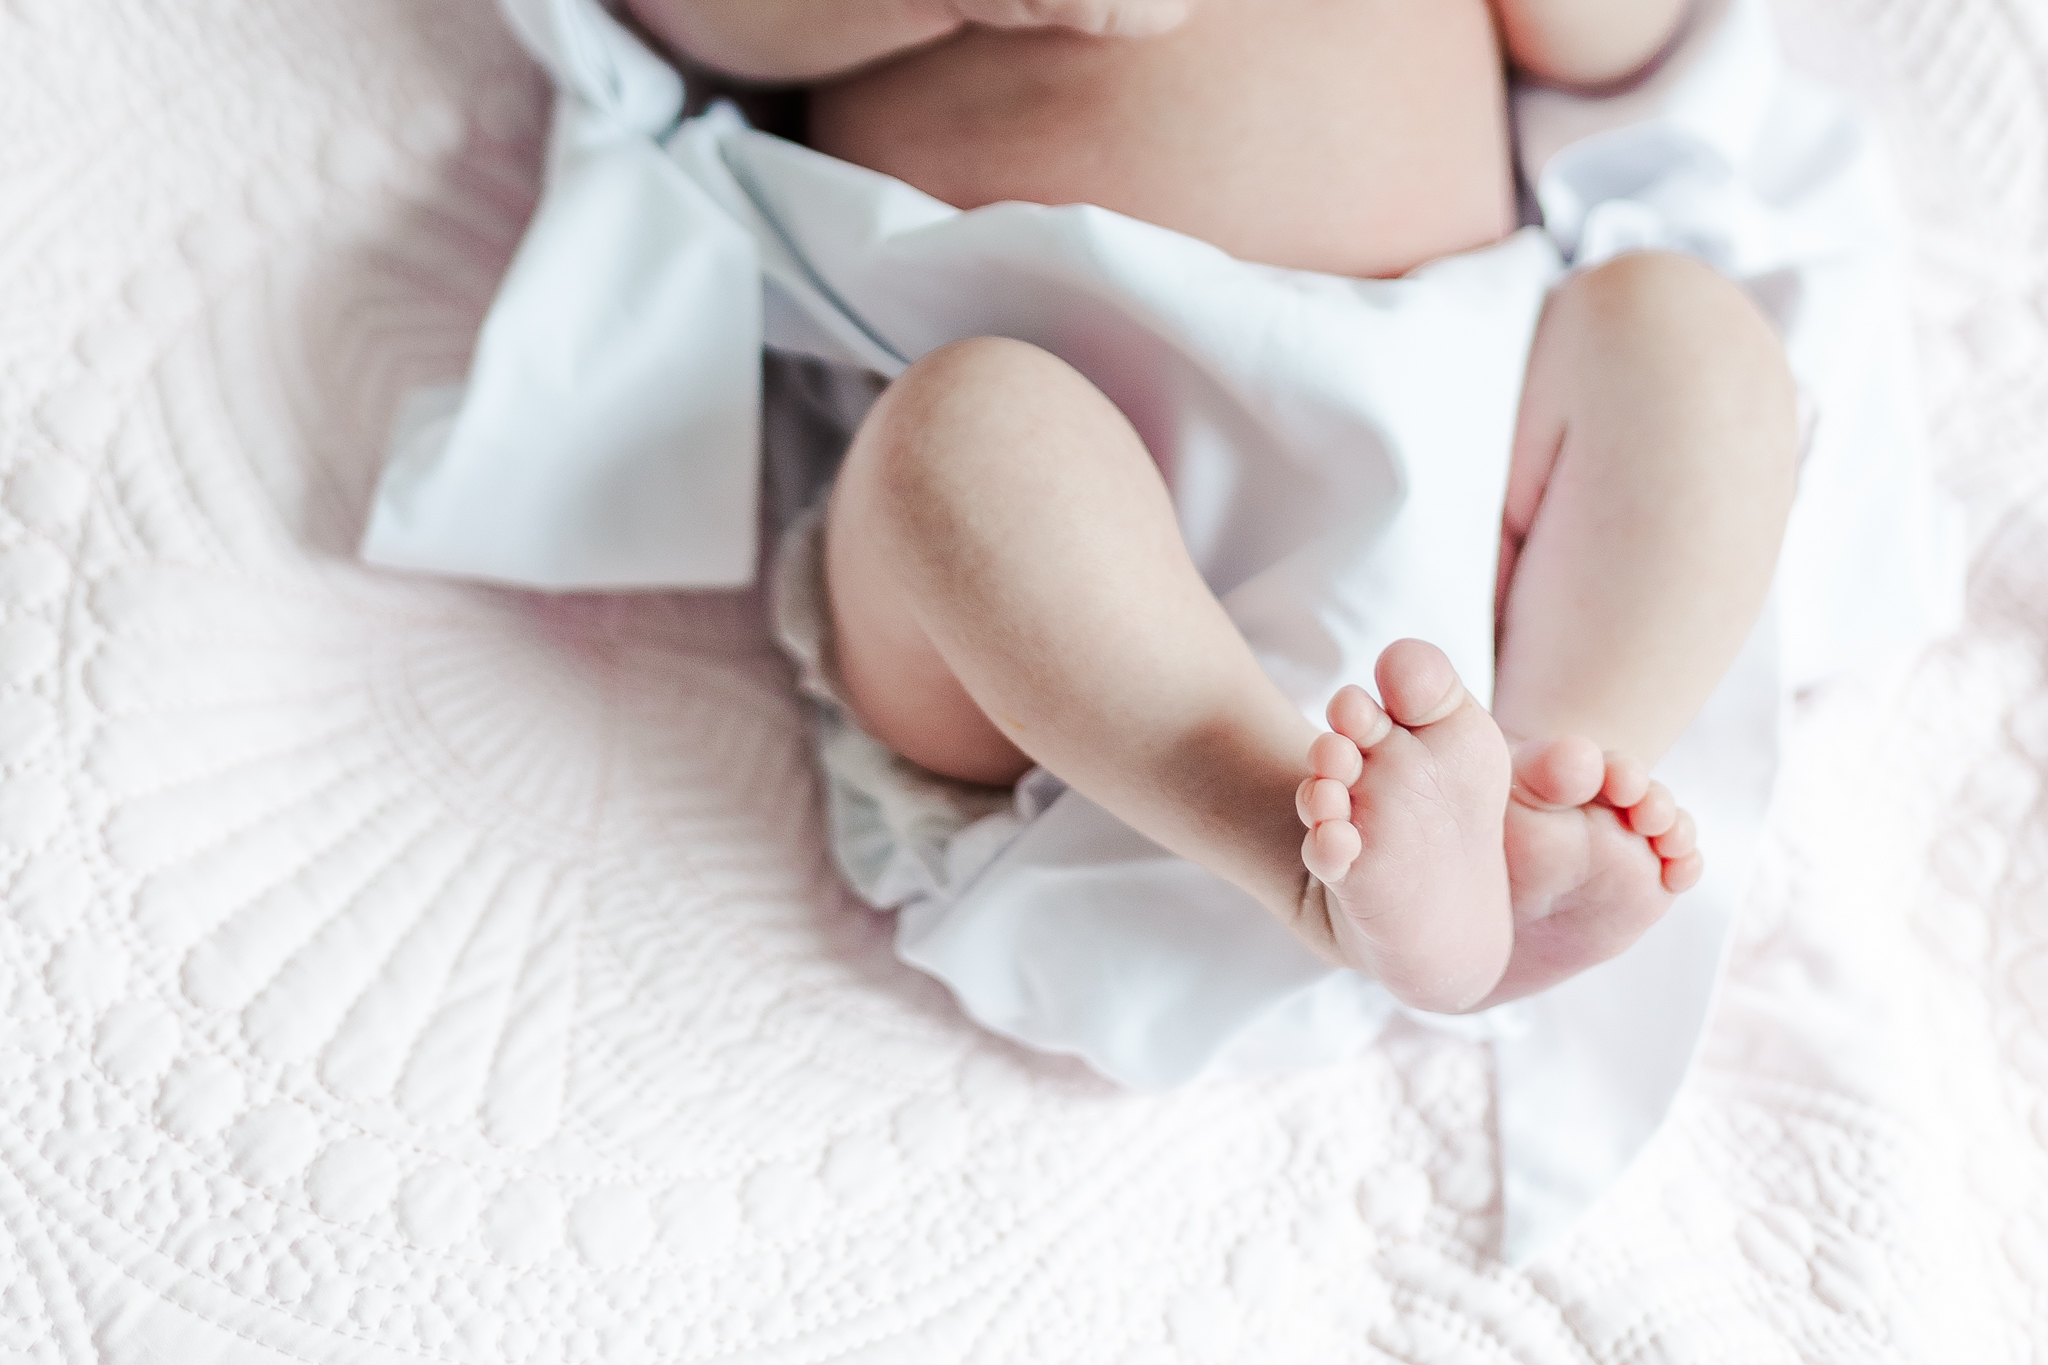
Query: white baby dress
x=1337, y=451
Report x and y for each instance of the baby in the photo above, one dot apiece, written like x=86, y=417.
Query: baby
x=1006, y=580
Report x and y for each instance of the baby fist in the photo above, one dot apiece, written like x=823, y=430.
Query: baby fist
x=1103, y=18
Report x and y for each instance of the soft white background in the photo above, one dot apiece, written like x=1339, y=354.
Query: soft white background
x=397, y=971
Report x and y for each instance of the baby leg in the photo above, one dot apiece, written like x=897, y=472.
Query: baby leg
x=1008, y=584
x=1653, y=472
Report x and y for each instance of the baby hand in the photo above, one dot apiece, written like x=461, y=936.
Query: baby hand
x=1103, y=18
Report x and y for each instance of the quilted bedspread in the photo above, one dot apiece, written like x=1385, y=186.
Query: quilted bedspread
x=398, y=971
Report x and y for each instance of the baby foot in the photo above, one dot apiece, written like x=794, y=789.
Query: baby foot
x=1595, y=852
x=1456, y=891
x=1405, y=839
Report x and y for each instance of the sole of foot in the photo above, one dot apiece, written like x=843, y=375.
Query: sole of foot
x=1596, y=854
x=1460, y=873
x=1405, y=809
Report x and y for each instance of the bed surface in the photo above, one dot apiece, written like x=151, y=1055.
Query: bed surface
x=396, y=971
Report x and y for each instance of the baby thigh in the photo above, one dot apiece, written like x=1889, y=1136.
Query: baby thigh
x=896, y=681
x=1009, y=585
x=997, y=538
x=1653, y=470
x=995, y=523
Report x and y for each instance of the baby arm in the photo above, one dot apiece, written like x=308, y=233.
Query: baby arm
x=1586, y=44
x=801, y=40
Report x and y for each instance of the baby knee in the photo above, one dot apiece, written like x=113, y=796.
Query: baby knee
x=1650, y=290
x=981, y=373
x=916, y=427
x=1645, y=293
x=985, y=399
x=957, y=428
x=1661, y=303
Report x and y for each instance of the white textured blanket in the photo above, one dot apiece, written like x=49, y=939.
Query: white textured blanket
x=394, y=971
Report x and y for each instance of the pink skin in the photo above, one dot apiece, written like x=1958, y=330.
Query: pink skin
x=1464, y=873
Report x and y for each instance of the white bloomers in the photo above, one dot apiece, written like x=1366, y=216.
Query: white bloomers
x=1337, y=454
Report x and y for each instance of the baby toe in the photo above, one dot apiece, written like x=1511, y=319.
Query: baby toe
x=1655, y=813
x=1323, y=798
x=1628, y=781
x=1335, y=757
x=1683, y=874
x=1357, y=717
x=1418, y=682
x=1330, y=848
x=1679, y=840
x=1558, y=773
